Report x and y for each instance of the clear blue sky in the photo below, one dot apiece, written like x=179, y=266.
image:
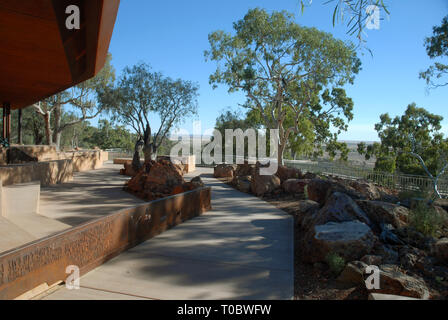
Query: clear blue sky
x=171, y=36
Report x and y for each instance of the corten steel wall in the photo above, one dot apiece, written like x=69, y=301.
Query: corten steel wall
x=92, y=244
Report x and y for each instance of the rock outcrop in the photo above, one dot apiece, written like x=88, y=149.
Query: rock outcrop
x=263, y=184
x=350, y=240
x=393, y=281
x=384, y=212
x=286, y=173
x=224, y=171
x=159, y=180
x=295, y=186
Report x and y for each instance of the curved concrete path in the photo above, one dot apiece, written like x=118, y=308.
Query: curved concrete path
x=242, y=249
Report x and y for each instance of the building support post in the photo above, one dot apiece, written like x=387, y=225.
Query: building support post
x=19, y=127
x=4, y=121
x=8, y=122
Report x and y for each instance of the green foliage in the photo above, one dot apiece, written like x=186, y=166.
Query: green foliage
x=292, y=77
x=80, y=100
x=354, y=12
x=336, y=263
x=385, y=164
x=417, y=131
x=426, y=220
x=108, y=136
x=236, y=120
x=437, y=47
x=415, y=194
x=32, y=127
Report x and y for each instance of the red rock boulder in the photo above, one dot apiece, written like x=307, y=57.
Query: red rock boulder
x=295, y=186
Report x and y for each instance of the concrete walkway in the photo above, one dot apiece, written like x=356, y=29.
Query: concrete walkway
x=91, y=195
x=242, y=249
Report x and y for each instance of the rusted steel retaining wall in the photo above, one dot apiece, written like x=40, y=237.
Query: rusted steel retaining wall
x=92, y=244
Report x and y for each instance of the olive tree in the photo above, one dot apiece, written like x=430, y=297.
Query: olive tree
x=288, y=73
x=141, y=96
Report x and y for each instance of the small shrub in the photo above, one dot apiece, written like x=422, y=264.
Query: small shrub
x=336, y=263
x=426, y=219
x=406, y=195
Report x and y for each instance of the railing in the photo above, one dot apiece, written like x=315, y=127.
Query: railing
x=116, y=153
x=402, y=182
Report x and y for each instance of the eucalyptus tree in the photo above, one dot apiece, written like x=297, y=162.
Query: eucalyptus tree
x=437, y=47
x=412, y=143
x=142, y=96
x=80, y=99
x=357, y=14
x=288, y=73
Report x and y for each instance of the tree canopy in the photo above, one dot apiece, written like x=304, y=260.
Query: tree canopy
x=356, y=13
x=417, y=131
x=437, y=47
x=141, y=96
x=82, y=100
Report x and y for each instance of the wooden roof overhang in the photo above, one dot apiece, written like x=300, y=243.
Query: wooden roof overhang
x=40, y=57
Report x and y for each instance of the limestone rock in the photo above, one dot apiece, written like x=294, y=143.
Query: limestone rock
x=372, y=260
x=368, y=189
x=442, y=203
x=319, y=190
x=242, y=183
x=310, y=176
x=295, y=186
x=384, y=212
x=224, y=171
x=440, y=250
x=197, y=182
x=340, y=208
x=351, y=240
x=261, y=184
x=156, y=180
x=286, y=173
x=395, y=282
x=128, y=170
x=305, y=211
x=245, y=169
x=353, y=273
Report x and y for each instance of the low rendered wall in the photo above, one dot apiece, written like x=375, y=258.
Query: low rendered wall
x=92, y=244
x=89, y=160
x=42, y=153
x=48, y=173
x=53, y=171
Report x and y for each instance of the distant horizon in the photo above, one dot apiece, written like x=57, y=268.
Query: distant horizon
x=170, y=137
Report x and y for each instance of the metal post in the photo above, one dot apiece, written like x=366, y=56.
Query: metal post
x=4, y=121
x=19, y=127
x=8, y=122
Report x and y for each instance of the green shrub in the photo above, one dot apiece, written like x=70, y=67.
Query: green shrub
x=305, y=191
x=426, y=219
x=407, y=195
x=336, y=263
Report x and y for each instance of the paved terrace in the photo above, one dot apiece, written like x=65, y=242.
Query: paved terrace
x=242, y=249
